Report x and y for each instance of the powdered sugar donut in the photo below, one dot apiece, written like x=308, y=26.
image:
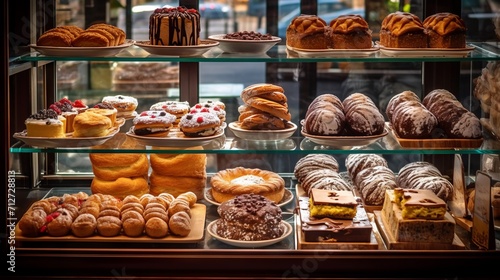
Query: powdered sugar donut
x=176, y=108
x=153, y=123
x=125, y=105
x=210, y=108
x=199, y=124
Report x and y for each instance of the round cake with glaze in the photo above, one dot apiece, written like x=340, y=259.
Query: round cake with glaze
x=229, y=183
x=249, y=217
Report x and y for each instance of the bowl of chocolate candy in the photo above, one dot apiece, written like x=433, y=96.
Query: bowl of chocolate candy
x=245, y=42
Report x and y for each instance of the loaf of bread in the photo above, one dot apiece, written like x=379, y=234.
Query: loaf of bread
x=452, y=116
x=424, y=175
x=350, y=32
x=445, y=30
x=402, y=30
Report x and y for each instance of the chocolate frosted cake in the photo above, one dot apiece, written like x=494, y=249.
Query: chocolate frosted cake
x=326, y=229
x=174, y=27
x=249, y=217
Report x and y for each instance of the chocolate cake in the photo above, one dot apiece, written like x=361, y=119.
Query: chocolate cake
x=357, y=229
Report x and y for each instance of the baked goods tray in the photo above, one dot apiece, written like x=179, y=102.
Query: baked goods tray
x=438, y=143
x=198, y=214
x=392, y=244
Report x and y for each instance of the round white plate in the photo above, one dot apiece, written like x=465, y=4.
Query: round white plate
x=333, y=52
x=68, y=142
x=262, y=134
x=287, y=197
x=426, y=52
x=344, y=141
x=197, y=50
x=244, y=46
x=81, y=51
x=175, y=138
x=287, y=230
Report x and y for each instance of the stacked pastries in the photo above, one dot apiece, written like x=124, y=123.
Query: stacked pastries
x=356, y=115
x=97, y=35
x=319, y=171
x=265, y=107
x=406, y=30
x=438, y=115
x=105, y=215
x=344, y=32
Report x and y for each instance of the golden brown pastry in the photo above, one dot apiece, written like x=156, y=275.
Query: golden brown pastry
x=267, y=91
x=307, y=32
x=179, y=205
x=350, y=32
x=180, y=224
x=84, y=225
x=274, y=108
x=120, y=187
x=402, y=30
x=59, y=223
x=228, y=183
x=264, y=121
x=111, y=113
x=190, y=197
x=117, y=32
x=179, y=165
x=90, y=124
x=176, y=185
x=32, y=221
x=90, y=39
x=156, y=227
x=113, y=166
x=56, y=37
x=132, y=222
x=445, y=30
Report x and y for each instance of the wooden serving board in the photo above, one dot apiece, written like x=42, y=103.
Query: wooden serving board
x=438, y=143
x=392, y=244
x=198, y=213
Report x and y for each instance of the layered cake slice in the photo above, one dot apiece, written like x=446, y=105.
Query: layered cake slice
x=332, y=204
x=333, y=216
x=417, y=216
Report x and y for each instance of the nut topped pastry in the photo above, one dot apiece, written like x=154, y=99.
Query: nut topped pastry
x=350, y=32
x=445, y=30
x=307, y=32
x=402, y=30
x=249, y=217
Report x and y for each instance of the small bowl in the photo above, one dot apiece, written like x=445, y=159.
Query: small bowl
x=244, y=46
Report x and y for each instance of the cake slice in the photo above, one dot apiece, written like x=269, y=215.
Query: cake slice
x=414, y=229
x=332, y=204
x=420, y=204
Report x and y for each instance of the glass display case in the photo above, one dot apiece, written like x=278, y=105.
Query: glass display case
x=46, y=167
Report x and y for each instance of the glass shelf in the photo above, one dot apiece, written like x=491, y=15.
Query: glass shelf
x=292, y=145
x=482, y=51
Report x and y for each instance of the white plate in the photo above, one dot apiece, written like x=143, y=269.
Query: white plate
x=287, y=197
x=333, y=52
x=197, y=50
x=426, y=52
x=244, y=46
x=344, y=141
x=175, y=138
x=287, y=230
x=68, y=142
x=250, y=134
x=82, y=51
